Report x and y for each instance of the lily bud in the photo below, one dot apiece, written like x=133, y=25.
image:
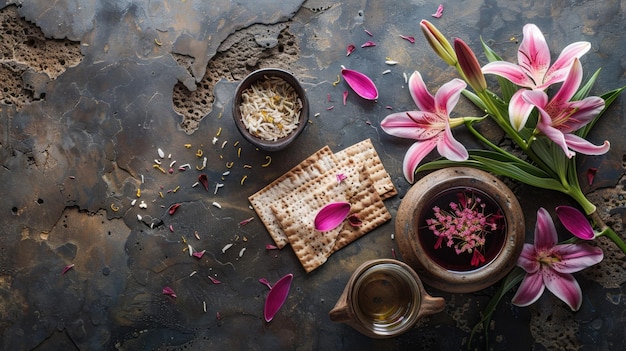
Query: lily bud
x=470, y=66
x=439, y=43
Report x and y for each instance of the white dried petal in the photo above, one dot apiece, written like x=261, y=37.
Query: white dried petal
x=242, y=251
x=217, y=205
x=226, y=247
x=161, y=153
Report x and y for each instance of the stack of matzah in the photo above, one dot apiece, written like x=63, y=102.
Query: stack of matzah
x=289, y=204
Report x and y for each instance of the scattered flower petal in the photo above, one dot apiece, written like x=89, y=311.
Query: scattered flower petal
x=67, y=268
x=214, y=280
x=266, y=283
x=591, y=174
x=331, y=216
x=349, y=49
x=575, y=221
x=271, y=247
x=341, y=177
x=173, y=208
x=439, y=12
x=199, y=254
x=277, y=297
x=204, y=180
x=408, y=38
x=368, y=32
x=345, y=97
x=246, y=221
x=368, y=44
x=391, y=62
x=360, y=83
x=354, y=220
x=169, y=291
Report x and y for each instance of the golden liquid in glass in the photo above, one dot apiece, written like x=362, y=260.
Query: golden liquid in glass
x=384, y=297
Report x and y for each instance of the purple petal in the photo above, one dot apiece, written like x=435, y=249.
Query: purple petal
x=576, y=257
x=360, y=83
x=277, y=297
x=575, y=221
x=349, y=49
x=266, y=283
x=199, y=254
x=591, y=174
x=331, y=216
x=545, y=232
x=415, y=155
x=408, y=38
x=565, y=287
x=67, y=268
x=528, y=259
x=169, y=291
x=529, y=291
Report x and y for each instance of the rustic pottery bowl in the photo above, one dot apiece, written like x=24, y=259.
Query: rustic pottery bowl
x=263, y=74
x=438, y=265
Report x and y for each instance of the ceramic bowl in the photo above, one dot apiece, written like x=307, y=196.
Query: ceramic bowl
x=448, y=270
x=263, y=74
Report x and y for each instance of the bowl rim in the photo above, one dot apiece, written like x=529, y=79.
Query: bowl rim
x=251, y=78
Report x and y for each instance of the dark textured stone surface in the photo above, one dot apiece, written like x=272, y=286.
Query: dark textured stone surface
x=126, y=78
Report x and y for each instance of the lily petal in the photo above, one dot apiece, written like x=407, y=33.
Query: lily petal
x=519, y=110
x=448, y=95
x=169, y=291
x=528, y=259
x=415, y=155
x=534, y=54
x=565, y=287
x=545, y=232
x=575, y=221
x=583, y=112
x=418, y=125
x=331, y=216
x=423, y=99
x=360, y=83
x=510, y=71
x=576, y=257
x=583, y=146
x=277, y=297
x=529, y=291
x=572, y=82
x=560, y=68
x=469, y=65
x=450, y=148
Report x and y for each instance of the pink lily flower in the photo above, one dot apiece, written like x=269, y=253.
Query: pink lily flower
x=576, y=222
x=551, y=266
x=431, y=126
x=560, y=117
x=534, y=70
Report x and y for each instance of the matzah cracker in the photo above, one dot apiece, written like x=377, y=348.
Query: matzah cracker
x=363, y=152
x=296, y=212
x=311, y=168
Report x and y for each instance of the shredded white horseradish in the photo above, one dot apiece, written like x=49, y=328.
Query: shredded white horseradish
x=270, y=108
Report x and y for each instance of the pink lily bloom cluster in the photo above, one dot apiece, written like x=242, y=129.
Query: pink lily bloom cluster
x=550, y=265
x=559, y=117
x=464, y=227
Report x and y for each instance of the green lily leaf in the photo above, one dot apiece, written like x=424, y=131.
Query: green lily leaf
x=608, y=97
x=583, y=91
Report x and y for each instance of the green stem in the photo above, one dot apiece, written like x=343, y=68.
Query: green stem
x=607, y=231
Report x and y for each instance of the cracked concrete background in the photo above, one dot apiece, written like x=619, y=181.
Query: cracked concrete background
x=90, y=90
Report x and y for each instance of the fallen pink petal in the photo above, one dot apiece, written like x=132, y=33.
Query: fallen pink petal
x=199, y=254
x=204, y=180
x=341, y=177
x=354, y=220
x=277, y=297
x=350, y=49
x=408, y=38
x=67, y=268
x=575, y=221
x=368, y=32
x=439, y=12
x=345, y=97
x=214, y=280
x=271, y=247
x=368, y=44
x=360, y=83
x=331, y=216
x=246, y=221
x=169, y=291
x=591, y=175
x=173, y=209
x=266, y=283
